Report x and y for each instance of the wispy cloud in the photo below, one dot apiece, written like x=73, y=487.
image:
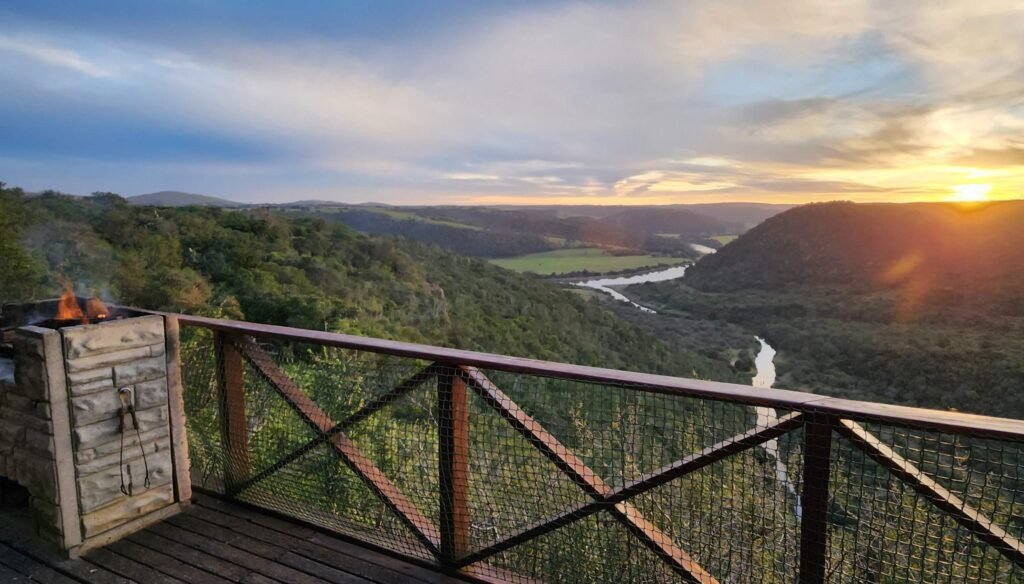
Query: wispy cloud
x=51, y=55
x=653, y=101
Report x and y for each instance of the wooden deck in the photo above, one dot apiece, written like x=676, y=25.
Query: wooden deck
x=212, y=542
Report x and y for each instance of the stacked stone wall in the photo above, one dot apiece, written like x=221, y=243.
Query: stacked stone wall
x=100, y=361
x=27, y=452
x=70, y=380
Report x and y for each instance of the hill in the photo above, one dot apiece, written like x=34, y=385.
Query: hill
x=553, y=222
x=915, y=304
x=520, y=232
x=943, y=254
x=180, y=199
x=459, y=238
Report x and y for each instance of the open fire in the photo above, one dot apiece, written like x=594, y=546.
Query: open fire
x=69, y=311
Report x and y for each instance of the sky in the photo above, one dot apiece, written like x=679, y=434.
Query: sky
x=526, y=102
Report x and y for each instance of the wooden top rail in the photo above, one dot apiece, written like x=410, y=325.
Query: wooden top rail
x=924, y=419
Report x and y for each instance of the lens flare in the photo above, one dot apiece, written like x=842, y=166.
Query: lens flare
x=972, y=193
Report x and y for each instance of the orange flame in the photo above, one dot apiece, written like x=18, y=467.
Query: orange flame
x=68, y=308
x=95, y=309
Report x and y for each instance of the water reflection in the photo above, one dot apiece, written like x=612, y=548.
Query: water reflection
x=604, y=284
x=764, y=379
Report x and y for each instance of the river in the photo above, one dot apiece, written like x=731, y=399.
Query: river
x=605, y=284
x=764, y=362
x=765, y=378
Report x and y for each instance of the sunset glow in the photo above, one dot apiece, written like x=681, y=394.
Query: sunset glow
x=666, y=102
x=971, y=193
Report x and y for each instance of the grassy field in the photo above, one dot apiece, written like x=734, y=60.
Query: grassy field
x=405, y=215
x=593, y=259
x=724, y=239
x=395, y=214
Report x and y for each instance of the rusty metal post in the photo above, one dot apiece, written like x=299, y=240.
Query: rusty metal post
x=234, y=427
x=814, y=499
x=453, y=459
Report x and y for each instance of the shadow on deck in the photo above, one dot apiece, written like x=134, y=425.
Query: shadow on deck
x=212, y=542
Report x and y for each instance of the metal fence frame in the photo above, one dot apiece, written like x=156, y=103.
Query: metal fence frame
x=459, y=373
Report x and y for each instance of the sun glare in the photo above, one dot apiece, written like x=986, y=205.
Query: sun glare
x=972, y=193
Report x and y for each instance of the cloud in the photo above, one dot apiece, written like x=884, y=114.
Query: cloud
x=53, y=56
x=780, y=111
x=1010, y=156
x=471, y=176
x=642, y=101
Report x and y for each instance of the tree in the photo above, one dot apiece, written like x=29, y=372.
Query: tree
x=108, y=200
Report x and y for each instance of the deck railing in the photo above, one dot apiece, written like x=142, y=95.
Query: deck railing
x=512, y=469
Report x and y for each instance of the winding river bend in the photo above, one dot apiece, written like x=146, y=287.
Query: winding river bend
x=764, y=362
x=605, y=284
x=765, y=378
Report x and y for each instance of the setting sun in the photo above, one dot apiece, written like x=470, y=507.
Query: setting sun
x=971, y=193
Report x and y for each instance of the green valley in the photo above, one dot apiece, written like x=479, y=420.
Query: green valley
x=579, y=260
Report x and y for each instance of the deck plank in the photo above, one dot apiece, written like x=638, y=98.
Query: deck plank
x=191, y=556
x=320, y=570
x=279, y=552
x=34, y=569
x=15, y=538
x=257, y=578
x=8, y=575
x=308, y=551
x=235, y=555
x=129, y=568
x=164, y=563
x=370, y=564
x=347, y=557
x=212, y=542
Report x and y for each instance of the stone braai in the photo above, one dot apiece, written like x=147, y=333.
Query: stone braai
x=61, y=432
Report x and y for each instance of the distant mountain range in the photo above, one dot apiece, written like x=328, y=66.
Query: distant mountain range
x=744, y=214
x=183, y=199
x=505, y=231
x=180, y=199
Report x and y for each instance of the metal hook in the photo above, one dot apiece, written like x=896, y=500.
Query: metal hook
x=128, y=408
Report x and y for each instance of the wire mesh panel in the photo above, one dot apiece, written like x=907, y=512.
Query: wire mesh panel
x=199, y=379
x=738, y=517
x=924, y=510
x=526, y=477
x=623, y=436
x=295, y=465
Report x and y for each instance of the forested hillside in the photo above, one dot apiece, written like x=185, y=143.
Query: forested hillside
x=463, y=239
x=919, y=304
x=180, y=199
x=943, y=256
x=625, y=232
x=268, y=267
